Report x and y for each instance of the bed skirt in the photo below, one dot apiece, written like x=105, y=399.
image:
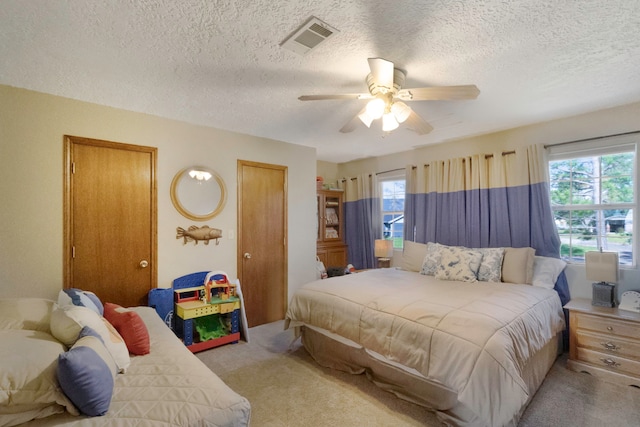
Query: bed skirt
x=331, y=351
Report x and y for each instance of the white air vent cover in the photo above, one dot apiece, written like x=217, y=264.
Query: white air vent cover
x=309, y=35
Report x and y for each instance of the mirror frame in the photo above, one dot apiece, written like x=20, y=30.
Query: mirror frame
x=175, y=199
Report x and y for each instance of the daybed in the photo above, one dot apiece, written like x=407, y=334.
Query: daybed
x=166, y=386
x=474, y=351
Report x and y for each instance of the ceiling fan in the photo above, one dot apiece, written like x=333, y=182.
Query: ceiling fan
x=387, y=98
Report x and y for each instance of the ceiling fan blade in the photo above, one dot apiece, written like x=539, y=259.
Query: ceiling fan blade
x=439, y=93
x=382, y=72
x=417, y=124
x=351, y=124
x=342, y=96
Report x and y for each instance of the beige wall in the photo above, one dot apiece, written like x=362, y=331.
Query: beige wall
x=32, y=126
x=601, y=123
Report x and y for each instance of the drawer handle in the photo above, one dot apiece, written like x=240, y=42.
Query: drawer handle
x=610, y=346
x=609, y=328
x=611, y=363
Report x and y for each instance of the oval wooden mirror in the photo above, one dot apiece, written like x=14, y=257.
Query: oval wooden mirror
x=198, y=193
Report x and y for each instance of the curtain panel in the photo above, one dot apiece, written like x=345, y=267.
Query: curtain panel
x=363, y=218
x=483, y=201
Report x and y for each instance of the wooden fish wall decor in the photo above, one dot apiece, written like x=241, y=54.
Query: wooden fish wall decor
x=195, y=233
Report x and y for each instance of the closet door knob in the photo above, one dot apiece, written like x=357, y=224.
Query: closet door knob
x=247, y=255
x=144, y=263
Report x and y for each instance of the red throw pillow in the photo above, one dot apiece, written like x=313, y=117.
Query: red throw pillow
x=130, y=326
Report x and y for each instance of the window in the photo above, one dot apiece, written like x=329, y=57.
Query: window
x=593, y=199
x=392, y=190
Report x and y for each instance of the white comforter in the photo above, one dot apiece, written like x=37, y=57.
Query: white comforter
x=473, y=338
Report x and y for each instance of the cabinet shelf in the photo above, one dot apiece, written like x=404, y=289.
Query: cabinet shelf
x=330, y=228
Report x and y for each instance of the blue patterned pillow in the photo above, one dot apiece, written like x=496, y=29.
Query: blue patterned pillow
x=87, y=372
x=491, y=266
x=459, y=264
x=432, y=258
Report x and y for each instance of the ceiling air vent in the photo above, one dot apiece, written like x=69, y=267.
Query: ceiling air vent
x=309, y=35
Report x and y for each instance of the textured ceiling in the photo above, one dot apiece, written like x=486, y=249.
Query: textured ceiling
x=220, y=64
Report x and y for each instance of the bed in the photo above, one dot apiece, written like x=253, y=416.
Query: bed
x=473, y=351
x=167, y=386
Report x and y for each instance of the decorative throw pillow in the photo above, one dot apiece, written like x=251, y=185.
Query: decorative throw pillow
x=459, y=264
x=546, y=271
x=432, y=258
x=517, y=266
x=29, y=387
x=87, y=372
x=413, y=255
x=130, y=326
x=75, y=296
x=67, y=322
x=491, y=266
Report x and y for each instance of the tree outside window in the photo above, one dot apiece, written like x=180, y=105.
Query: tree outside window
x=593, y=199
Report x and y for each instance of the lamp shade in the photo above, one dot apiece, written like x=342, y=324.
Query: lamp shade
x=602, y=266
x=389, y=122
x=384, y=248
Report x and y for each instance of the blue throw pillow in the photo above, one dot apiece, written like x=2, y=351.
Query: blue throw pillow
x=86, y=374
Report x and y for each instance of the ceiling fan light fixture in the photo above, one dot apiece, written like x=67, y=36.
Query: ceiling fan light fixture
x=365, y=118
x=389, y=122
x=375, y=108
x=401, y=111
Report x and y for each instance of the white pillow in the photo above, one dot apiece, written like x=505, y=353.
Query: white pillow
x=546, y=271
x=67, y=322
x=413, y=255
x=25, y=313
x=517, y=265
x=458, y=264
x=29, y=387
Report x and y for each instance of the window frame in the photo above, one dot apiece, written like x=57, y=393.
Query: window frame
x=399, y=175
x=601, y=147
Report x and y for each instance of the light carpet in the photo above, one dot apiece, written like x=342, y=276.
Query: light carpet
x=287, y=388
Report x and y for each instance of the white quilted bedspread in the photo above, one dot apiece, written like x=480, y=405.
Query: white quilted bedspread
x=168, y=387
x=474, y=338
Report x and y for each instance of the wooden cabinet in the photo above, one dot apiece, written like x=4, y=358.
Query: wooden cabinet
x=604, y=342
x=330, y=228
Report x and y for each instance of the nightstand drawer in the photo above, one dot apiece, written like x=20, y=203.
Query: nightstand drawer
x=609, y=361
x=608, y=326
x=608, y=344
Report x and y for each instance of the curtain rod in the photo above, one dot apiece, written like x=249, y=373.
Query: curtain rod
x=592, y=139
x=486, y=156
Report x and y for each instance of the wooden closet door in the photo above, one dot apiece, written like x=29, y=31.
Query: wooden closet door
x=110, y=220
x=262, y=240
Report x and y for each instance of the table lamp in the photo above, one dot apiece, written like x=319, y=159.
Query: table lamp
x=384, y=252
x=602, y=268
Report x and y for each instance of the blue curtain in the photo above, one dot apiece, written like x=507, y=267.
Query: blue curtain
x=489, y=200
x=363, y=219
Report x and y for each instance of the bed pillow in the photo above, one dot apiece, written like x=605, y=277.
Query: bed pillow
x=431, y=260
x=517, y=265
x=25, y=313
x=459, y=264
x=546, y=271
x=29, y=387
x=130, y=326
x=75, y=296
x=491, y=265
x=87, y=372
x=413, y=255
x=67, y=322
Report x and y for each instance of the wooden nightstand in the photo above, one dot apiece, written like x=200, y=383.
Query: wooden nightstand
x=605, y=342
